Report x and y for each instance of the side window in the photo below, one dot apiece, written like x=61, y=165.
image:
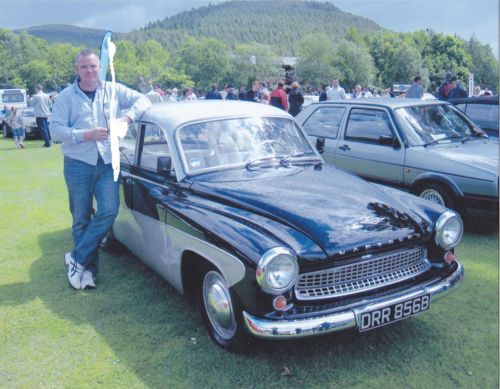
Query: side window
x=324, y=122
x=127, y=144
x=367, y=125
x=154, y=146
x=461, y=107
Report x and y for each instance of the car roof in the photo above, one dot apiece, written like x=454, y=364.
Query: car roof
x=476, y=100
x=172, y=115
x=390, y=102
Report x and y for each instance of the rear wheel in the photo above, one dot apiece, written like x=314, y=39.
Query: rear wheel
x=220, y=312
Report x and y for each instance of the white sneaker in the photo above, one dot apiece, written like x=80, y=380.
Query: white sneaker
x=75, y=271
x=67, y=258
x=87, y=280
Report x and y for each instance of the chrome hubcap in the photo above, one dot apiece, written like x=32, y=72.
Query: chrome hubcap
x=433, y=196
x=218, y=305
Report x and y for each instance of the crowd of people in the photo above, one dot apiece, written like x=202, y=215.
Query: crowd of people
x=289, y=98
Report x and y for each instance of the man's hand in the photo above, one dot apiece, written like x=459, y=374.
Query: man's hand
x=98, y=134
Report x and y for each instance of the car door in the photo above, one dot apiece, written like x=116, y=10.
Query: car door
x=151, y=192
x=322, y=126
x=370, y=146
x=128, y=154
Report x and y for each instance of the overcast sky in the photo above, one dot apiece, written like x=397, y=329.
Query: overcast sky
x=461, y=17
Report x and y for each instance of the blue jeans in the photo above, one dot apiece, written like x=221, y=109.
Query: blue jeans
x=44, y=129
x=85, y=181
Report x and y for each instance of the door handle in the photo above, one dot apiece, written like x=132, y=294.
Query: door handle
x=128, y=181
x=344, y=148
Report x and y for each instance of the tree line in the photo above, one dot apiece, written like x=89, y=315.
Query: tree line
x=370, y=59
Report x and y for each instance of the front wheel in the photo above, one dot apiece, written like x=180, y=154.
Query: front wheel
x=220, y=313
x=436, y=194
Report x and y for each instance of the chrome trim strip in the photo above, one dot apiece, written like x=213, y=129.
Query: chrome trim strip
x=280, y=329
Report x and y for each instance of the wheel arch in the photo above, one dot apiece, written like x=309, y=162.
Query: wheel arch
x=437, y=179
x=194, y=265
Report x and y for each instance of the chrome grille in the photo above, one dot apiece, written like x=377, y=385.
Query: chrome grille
x=362, y=275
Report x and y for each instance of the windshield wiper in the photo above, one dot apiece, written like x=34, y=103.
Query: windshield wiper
x=299, y=157
x=442, y=139
x=262, y=161
x=476, y=133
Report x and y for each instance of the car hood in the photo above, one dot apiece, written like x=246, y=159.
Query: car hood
x=479, y=154
x=336, y=210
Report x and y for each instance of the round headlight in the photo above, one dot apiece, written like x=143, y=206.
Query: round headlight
x=449, y=230
x=277, y=270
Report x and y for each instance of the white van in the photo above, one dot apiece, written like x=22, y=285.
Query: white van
x=13, y=97
x=9, y=98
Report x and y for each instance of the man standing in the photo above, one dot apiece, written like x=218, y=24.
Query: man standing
x=253, y=94
x=457, y=92
x=80, y=121
x=230, y=95
x=213, y=94
x=154, y=96
x=41, y=106
x=415, y=91
x=335, y=92
x=295, y=99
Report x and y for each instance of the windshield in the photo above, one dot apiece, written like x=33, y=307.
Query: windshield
x=427, y=124
x=234, y=142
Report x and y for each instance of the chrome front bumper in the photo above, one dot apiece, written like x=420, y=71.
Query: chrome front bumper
x=279, y=329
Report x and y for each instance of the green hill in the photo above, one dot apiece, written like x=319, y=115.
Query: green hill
x=279, y=23
x=62, y=33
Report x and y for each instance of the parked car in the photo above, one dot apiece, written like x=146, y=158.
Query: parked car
x=482, y=110
x=29, y=120
x=231, y=202
x=424, y=146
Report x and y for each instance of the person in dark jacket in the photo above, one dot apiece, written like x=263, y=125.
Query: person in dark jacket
x=230, y=93
x=253, y=94
x=295, y=99
x=322, y=95
x=213, y=94
x=457, y=92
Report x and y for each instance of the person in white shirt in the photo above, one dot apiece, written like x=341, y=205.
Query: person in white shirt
x=41, y=104
x=335, y=92
x=154, y=96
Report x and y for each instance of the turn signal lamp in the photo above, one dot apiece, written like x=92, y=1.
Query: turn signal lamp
x=449, y=257
x=279, y=303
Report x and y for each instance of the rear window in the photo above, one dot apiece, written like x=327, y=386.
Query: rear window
x=484, y=115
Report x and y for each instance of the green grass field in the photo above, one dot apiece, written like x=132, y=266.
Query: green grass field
x=135, y=331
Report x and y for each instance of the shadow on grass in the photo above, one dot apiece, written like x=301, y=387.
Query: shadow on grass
x=157, y=335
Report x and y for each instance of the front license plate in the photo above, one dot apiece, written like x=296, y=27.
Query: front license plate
x=391, y=313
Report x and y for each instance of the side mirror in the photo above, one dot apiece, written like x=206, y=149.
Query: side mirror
x=320, y=145
x=389, y=141
x=164, y=166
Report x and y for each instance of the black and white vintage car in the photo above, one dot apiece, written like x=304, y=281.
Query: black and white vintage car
x=230, y=201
